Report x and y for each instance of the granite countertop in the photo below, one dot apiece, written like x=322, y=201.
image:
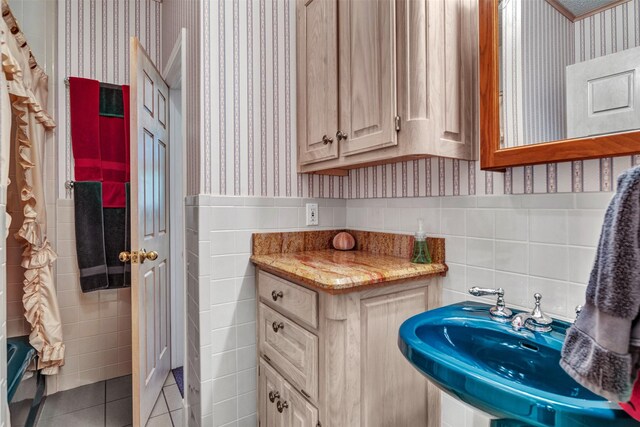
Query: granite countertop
x=343, y=271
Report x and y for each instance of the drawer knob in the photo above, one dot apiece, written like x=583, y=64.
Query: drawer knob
x=273, y=395
x=275, y=295
x=276, y=326
x=282, y=406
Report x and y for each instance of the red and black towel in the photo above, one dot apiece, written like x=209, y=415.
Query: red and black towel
x=100, y=143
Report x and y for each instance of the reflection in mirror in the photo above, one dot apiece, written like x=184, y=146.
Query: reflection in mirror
x=568, y=69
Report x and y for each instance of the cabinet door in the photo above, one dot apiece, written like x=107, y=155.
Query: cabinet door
x=317, y=82
x=456, y=69
x=437, y=83
x=384, y=369
x=299, y=412
x=367, y=75
x=269, y=382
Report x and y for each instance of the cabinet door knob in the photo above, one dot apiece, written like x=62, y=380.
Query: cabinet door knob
x=277, y=326
x=341, y=135
x=326, y=140
x=273, y=395
x=275, y=295
x=282, y=406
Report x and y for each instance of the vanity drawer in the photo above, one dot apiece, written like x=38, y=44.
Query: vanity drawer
x=290, y=299
x=290, y=348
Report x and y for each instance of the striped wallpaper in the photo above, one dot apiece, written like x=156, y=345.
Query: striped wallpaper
x=250, y=102
x=93, y=42
x=249, y=144
x=178, y=14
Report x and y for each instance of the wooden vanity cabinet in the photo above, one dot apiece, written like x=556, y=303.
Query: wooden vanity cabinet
x=397, y=77
x=347, y=370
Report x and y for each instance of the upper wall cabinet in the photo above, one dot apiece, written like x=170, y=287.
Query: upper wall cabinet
x=395, y=78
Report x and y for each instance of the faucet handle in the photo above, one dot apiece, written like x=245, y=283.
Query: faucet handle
x=537, y=315
x=499, y=312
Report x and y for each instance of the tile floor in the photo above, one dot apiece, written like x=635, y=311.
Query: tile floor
x=102, y=404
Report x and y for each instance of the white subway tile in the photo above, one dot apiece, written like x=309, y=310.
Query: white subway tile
x=480, y=252
x=581, y=261
x=512, y=224
x=585, y=226
x=224, y=388
x=455, y=249
x=550, y=261
x=223, y=364
x=511, y=256
x=453, y=222
x=480, y=223
x=548, y=226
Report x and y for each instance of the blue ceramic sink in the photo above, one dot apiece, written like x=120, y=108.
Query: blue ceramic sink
x=511, y=375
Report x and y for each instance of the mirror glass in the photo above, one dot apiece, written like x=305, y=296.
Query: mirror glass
x=568, y=69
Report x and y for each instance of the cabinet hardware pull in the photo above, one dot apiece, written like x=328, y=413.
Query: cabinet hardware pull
x=273, y=395
x=282, y=406
x=276, y=326
x=326, y=140
x=275, y=295
x=341, y=135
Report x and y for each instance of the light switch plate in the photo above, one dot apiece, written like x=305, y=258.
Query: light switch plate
x=312, y=214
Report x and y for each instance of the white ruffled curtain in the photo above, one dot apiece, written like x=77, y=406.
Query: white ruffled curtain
x=26, y=85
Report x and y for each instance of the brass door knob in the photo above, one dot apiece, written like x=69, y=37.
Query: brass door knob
x=125, y=256
x=341, y=135
x=138, y=256
x=326, y=140
x=143, y=255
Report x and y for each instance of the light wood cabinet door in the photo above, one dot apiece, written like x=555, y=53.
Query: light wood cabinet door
x=385, y=374
x=437, y=82
x=367, y=75
x=317, y=82
x=271, y=385
x=298, y=412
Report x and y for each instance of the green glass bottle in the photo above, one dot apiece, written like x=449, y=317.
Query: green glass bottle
x=420, y=250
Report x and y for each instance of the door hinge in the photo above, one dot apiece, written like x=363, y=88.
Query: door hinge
x=318, y=425
x=397, y=122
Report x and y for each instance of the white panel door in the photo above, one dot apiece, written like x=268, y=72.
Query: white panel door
x=149, y=233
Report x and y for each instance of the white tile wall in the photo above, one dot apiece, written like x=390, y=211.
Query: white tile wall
x=222, y=287
x=96, y=326
x=524, y=244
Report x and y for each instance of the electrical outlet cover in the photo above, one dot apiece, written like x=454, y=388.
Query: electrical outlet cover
x=312, y=214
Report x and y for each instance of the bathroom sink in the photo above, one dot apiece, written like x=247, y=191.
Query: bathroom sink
x=511, y=375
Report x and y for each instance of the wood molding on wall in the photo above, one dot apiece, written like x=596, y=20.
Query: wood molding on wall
x=492, y=157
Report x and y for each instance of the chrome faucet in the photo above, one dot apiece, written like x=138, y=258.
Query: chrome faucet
x=536, y=321
x=499, y=312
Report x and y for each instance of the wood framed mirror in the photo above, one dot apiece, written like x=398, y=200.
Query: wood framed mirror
x=497, y=150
